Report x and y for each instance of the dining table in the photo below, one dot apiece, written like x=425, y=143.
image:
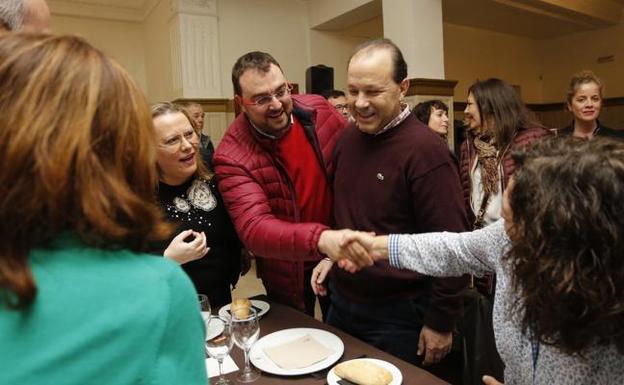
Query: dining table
x=280, y=317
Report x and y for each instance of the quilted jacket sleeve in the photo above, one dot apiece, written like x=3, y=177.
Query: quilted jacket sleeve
x=262, y=232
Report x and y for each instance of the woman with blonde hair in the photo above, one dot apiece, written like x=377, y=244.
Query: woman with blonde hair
x=80, y=303
x=206, y=244
x=584, y=100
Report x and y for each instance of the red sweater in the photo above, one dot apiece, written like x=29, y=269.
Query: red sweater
x=401, y=181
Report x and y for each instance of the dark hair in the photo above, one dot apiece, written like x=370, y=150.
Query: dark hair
x=78, y=156
x=580, y=78
x=501, y=110
x=165, y=108
x=400, y=66
x=332, y=94
x=568, y=242
x=422, y=111
x=260, y=61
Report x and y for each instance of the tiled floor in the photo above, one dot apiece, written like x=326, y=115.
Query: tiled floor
x=250, y=285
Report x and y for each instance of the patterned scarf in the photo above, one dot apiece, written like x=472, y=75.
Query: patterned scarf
x=487, y=153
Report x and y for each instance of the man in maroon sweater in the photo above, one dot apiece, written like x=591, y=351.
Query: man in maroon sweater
x=393, y=174
x=273, y=165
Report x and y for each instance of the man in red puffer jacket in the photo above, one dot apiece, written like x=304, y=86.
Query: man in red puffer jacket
x=273, y=167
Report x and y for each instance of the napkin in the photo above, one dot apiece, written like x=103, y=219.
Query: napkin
x=299, y=353
x=212, y=366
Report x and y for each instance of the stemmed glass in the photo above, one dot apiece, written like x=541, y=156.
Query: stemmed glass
x=204, y=306
x=245, y=331
x=219, y=346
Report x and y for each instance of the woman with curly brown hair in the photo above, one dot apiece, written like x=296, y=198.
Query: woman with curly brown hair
x=559, y=305
x=80, y=302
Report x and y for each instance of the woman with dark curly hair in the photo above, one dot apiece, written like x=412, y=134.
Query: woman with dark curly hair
x=559, y=305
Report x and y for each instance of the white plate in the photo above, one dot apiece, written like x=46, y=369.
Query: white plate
x=263, y=362
x=214, y=328
x=261, y=308
x=397, y=377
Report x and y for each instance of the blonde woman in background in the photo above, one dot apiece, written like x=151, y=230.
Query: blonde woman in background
x=584, y=101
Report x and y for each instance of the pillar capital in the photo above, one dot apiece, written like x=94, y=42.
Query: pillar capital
x=194, y=36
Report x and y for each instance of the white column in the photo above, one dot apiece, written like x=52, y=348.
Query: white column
x=194, y=35
x=416, y=27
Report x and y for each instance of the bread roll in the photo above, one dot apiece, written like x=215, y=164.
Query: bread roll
x=363, y=372
x=240, y=308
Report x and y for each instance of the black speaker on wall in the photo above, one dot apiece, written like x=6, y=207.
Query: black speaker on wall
x=319, y=78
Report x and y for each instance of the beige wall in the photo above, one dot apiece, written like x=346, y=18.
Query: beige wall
x=121, y=40
x=275, y=26
x=561, y=57
x=158, y=67
x=333, y=48
x=471, y=53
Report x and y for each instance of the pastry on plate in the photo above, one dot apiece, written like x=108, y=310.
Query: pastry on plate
x=240, y=308
x=363, y=372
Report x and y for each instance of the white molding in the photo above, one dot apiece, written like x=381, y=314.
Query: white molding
x=133, y=14
x=117, y=13
x=96, y=11
x=194, y=7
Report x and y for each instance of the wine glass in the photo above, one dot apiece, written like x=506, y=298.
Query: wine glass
x=204, y=306
x=219, y=346
x=245, y=330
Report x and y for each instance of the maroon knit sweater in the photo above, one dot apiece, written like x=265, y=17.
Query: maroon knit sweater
x=401, y=181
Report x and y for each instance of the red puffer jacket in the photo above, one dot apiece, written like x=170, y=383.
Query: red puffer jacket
x=260, y=196
x=468, y=155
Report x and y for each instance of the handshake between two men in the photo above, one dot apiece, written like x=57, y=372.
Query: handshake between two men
x=352, y=250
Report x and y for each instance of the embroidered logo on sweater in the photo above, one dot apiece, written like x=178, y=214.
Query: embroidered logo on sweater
x=181, y=205
x=200, y=196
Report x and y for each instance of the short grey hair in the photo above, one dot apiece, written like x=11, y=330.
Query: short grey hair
x=12, y=14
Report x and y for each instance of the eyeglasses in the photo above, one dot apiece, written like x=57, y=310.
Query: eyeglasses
x=341, y=106
x=176, y=141
x=265, y=100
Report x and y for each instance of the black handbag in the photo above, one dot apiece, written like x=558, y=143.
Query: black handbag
x=479, y=352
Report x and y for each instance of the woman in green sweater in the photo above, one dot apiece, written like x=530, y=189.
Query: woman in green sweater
x=79, y=301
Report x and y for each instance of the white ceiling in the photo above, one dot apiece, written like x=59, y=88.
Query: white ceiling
x=498, y=17
x=494, y=15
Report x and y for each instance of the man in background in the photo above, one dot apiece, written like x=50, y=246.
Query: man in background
x=338, y=99
x=29, y=16
x=197, y=114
